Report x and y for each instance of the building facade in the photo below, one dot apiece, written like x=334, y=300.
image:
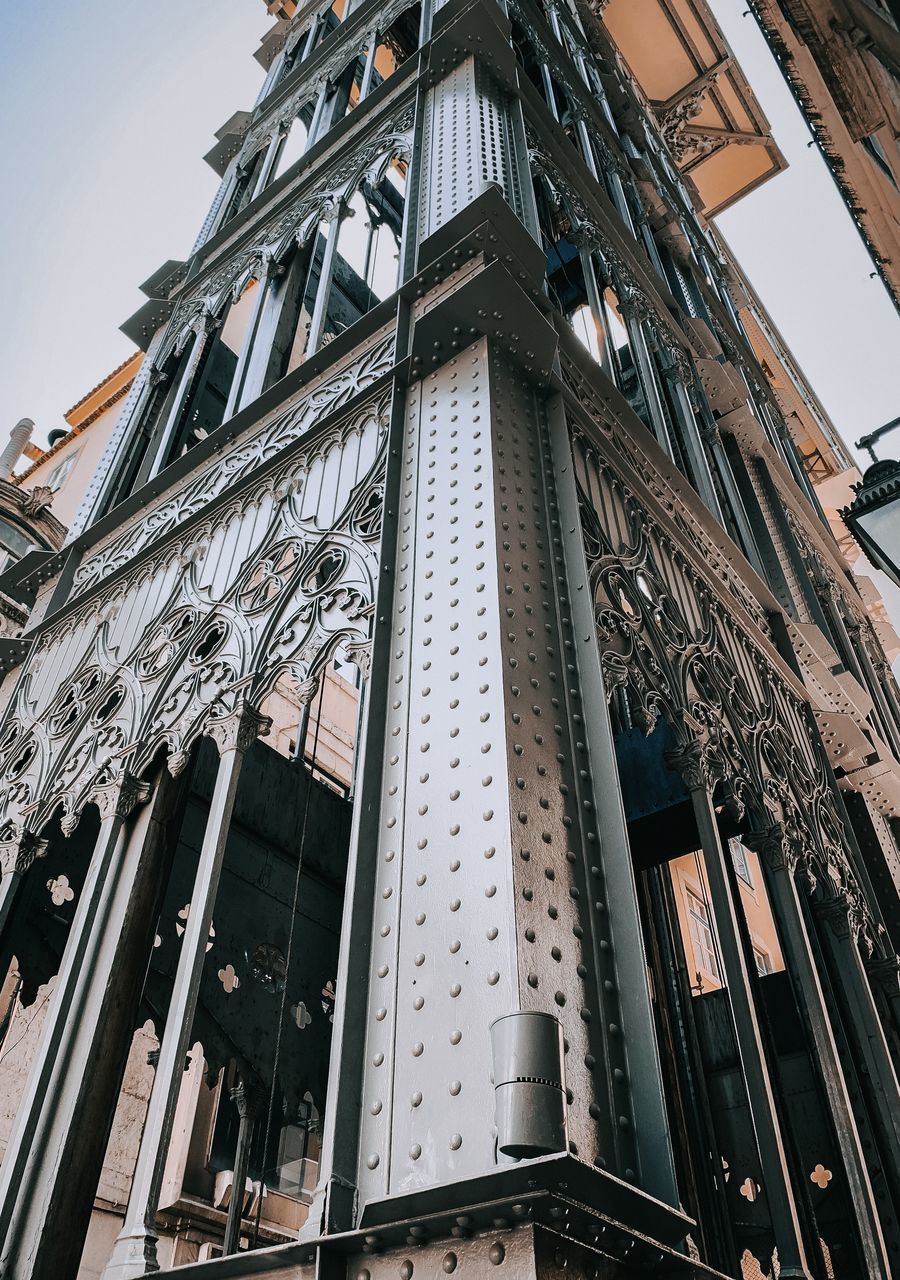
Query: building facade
x=27, y=528
x=74, y=452
x=449, y=785
x=841, y=59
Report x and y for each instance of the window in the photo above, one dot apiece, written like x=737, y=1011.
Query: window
x=398, y=43
x=295, y=142
x=245, y=184
x=741, y=861
x=701, y=935
x=61, y=472
x=366, y=263
x=763, y=961
x=876, y=151
x=588, y=332
x=14, y=544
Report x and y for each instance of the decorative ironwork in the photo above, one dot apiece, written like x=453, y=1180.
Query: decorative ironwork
x=668, y=637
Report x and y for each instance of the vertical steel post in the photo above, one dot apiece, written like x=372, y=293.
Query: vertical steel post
x=134, y=1252
x=691, y=763
x=781, y=861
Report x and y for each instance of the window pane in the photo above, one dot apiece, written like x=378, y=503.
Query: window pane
x=294, y=146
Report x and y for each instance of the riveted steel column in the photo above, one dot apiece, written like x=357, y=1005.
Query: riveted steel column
x=690, y=762
x=490, y=892
x=884, y=976
x=469, y=142
x=334, y=1204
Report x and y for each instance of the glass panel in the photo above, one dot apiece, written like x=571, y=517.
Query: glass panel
x=204, y=407
x=740, y=856
x=235, y=326
x=294, y=145
x=695, y=918
x=244, y=187
x=255, y=1081
x=882, y=527
x=307, y=299
x=617, y=330
x=368, y=250
x=702, y=937
x=352, y=82
x=14, y=540
x=61, y=472
x=588, y=332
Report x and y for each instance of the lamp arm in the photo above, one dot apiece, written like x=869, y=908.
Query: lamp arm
x=866, y=442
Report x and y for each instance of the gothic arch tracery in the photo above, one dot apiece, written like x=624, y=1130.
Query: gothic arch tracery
x=272, y=585
x=667, y=637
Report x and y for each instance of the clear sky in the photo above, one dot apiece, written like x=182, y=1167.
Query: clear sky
x=109, y=108
x=796, y=242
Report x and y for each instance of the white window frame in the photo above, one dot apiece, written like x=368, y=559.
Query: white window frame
x=741, y=861
x=703, y=939
x=63, y=469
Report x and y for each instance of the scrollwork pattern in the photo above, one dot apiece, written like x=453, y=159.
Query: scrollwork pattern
x=275, y=236
x=668, y=636
x=268, y=588
x=203, y=486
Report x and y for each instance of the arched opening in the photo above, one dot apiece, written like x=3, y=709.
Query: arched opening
x=242, y=193
x=32, y=945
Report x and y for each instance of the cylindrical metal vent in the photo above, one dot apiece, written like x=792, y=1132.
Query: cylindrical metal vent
x=18, y=438
x=529, y=1084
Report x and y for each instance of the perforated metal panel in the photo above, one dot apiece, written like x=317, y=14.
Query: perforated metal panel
x=443, y=961
x=468, y=141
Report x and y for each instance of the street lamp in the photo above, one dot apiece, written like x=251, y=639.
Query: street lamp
x=873, y=516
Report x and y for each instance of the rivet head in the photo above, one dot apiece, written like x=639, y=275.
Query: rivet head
x=456, y=1142
x=449, y=1262
x=496, y=1253
x=372, y=1161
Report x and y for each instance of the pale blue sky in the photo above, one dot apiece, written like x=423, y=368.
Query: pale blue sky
x=109, y=109
x=794, y=238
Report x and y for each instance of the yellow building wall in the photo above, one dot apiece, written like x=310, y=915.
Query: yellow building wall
x=689, y=880
x=87, y=448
